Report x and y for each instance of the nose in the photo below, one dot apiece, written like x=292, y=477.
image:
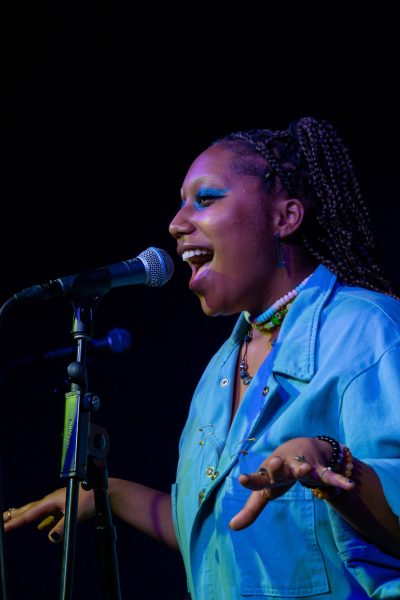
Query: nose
x=181, y=224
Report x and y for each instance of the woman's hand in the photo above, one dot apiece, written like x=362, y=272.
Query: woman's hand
x=142, y=507
x=50, y=511
x=281, y=470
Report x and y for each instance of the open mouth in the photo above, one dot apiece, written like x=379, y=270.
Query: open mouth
x=198, y=259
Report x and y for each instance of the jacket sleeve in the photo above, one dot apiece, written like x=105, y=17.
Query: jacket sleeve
x=370, y=426
x=370, y=421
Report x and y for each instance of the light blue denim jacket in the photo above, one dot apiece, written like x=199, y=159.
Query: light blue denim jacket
x=335, y=370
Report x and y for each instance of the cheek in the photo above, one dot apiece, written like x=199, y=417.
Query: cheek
x=261, y=232
x=250, y=237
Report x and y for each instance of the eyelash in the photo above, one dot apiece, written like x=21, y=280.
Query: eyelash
x=205, y=199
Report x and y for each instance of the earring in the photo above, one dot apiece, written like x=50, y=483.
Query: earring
x=279, y=251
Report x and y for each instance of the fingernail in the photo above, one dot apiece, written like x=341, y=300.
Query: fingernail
x=55, y=536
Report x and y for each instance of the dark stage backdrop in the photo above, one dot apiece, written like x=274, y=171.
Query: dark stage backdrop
x=98, y=127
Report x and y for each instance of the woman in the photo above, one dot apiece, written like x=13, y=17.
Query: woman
x=289, y=461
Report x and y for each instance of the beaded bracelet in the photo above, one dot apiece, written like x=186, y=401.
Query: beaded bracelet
x=347, y=464
x=335, y=461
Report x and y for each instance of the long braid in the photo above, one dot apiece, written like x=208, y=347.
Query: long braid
x=310, y=161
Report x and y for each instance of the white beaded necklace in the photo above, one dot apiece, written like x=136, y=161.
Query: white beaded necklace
x=266, y=322
x=273, y=316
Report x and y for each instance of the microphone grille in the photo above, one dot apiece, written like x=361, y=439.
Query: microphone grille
x=158, y=264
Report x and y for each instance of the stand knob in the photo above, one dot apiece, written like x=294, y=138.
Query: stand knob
x=91, y=402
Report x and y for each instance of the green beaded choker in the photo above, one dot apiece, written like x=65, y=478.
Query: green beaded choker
x=274, y=315
x=269, y=320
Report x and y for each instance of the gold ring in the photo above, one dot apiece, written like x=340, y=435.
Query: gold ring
x=9, y=511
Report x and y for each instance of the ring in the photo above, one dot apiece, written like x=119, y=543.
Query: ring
x=300, y=458
x=263, y=471
x=9, y=511
x=323, y=471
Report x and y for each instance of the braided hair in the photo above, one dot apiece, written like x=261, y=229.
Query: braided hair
x=310, y=161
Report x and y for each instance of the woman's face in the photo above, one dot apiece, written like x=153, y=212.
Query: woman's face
x=224, y=235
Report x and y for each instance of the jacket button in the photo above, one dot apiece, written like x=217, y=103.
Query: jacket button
x=214, y=475
x=224, y=382
x=265, y=391
x=210, y=471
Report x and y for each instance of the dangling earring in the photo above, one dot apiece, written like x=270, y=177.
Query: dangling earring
x=279, y=252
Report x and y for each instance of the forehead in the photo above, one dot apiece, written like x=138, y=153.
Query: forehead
x=214, y=164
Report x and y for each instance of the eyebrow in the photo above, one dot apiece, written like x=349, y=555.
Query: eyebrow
x=202, y=180
x=213, y=190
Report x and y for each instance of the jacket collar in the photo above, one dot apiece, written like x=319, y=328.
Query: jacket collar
x=295, y=351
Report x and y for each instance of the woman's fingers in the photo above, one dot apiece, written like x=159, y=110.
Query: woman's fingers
x=48, y=511
x=272, y=480
x=253, y=507
x=263, y=483
x=54, y=522
x=272, y=475
x=57, y=533
x=33, y=511
x=16, y=517
x=301, y=471
x=329, y=477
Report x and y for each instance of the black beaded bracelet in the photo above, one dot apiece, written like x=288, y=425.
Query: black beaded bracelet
x=335, y=461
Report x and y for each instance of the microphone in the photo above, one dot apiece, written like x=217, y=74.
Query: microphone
x=117, y=341
x=152, y=267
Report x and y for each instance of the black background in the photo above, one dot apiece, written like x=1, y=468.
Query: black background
x=102, y=111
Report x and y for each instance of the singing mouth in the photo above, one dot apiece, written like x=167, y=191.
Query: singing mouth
x=199, y=260
x=197, y=256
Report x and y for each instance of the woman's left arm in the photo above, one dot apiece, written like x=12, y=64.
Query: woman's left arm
x=366, y=509
x=360, y=501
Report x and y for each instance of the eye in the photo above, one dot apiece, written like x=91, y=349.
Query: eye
x=206, y=197
x=204, y=200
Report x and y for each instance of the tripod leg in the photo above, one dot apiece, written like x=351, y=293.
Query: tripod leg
x=105, y=533
x=105, y=538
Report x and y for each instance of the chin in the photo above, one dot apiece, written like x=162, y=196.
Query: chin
x=216, y=310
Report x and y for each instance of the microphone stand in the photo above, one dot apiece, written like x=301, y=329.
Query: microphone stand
x=4, y=308
x=84, y=451
x=3, y=556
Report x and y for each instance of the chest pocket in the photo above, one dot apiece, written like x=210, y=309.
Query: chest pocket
x=278, y=555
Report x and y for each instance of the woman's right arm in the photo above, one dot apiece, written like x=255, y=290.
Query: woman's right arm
x=144, y=508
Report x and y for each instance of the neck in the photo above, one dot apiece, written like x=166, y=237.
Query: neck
x=282, y=282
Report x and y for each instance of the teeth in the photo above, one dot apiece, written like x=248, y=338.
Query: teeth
x=190, y=253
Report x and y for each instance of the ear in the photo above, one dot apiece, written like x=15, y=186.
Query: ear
x=287, y=216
